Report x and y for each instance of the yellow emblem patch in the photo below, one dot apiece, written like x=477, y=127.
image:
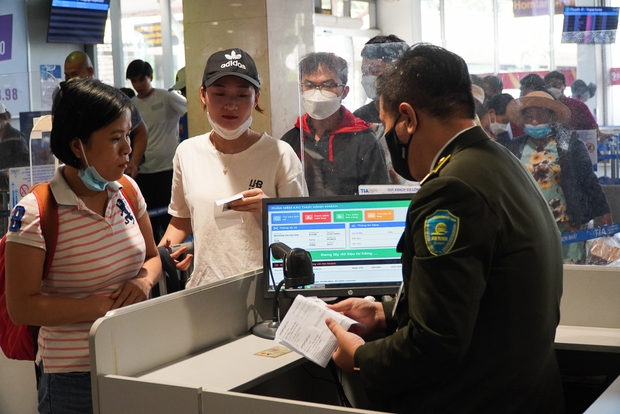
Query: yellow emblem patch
x=440, y=232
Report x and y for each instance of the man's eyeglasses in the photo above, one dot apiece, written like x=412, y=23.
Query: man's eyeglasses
x=325, y=86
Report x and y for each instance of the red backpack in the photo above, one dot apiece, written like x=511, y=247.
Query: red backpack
x=20, y=341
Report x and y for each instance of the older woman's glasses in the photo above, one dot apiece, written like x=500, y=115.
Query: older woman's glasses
x=322, y=87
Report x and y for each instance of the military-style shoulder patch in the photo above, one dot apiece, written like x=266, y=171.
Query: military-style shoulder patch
x=435, y=173
x=440, y=231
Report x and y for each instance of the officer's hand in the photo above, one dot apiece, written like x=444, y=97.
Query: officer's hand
x=369, y=313
x=347, y=345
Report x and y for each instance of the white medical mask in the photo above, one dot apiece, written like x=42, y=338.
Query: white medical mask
x=369, y=83
x=90, y=177
x=230, y=134
x=497, y=128
x=318, y=105
x=555, y=92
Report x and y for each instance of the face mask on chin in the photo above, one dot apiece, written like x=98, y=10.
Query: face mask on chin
x=537, y=131
x=399, y=154
x=90, y=177
x=230, y=134
x=318, y=106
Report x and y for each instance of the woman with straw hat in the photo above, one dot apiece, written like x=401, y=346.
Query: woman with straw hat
x=560, y=164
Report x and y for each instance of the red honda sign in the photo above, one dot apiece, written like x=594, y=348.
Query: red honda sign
x=614, y=74
x=528, y=8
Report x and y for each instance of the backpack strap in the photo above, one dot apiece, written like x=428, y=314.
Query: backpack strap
x=48, y=212
x=48, y=216
x=130, y=194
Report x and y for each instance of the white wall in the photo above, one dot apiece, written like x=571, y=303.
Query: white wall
x=406, y=25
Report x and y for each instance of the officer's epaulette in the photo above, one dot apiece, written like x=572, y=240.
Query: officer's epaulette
x=435, y=172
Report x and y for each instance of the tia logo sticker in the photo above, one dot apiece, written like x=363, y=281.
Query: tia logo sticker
x=233, y=60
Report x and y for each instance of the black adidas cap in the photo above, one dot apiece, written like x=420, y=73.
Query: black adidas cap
x=230, y=62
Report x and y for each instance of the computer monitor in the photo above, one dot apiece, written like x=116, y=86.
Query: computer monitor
x=352, y=240
x=590, y=25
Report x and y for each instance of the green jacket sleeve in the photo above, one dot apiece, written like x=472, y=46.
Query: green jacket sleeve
x=437, y=314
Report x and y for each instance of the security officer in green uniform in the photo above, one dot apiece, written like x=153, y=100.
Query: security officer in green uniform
x=473, y=329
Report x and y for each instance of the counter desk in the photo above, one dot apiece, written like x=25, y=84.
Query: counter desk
x=190, y=351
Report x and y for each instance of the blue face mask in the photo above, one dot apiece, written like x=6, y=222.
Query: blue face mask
x=537, y=131
x=90, y=177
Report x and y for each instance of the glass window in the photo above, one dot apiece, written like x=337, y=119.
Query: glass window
x=475, y=44
x=361, y=10
x=497, y=37
x=142, y=39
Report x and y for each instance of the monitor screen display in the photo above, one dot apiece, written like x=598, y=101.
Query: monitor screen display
x=596, y=25
x=77, y=21
x=352, y=240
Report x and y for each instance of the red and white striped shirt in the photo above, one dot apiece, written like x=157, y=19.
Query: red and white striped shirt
x=94, y=255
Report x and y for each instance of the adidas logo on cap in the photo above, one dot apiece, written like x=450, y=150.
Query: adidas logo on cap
x=233, y=61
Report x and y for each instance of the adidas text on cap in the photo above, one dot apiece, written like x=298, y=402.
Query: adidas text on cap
x=230, y=62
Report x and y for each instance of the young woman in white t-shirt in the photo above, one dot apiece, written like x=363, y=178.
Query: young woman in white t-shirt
x=231, y=159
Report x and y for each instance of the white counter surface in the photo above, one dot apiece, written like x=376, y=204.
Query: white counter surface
x=229, y=367
x=583, y=338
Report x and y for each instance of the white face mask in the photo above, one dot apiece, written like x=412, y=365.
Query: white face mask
x=230, y=134
x=369, y=83
x=555, y=92
x=318, y=105
x=497, y=128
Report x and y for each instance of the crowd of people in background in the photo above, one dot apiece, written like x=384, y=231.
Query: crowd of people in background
x=339, y=149
x=330, y=150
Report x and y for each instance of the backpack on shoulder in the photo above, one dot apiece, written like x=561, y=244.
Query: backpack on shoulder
x=20, y=341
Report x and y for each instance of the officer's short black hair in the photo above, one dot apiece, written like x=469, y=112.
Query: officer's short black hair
x=429, y=78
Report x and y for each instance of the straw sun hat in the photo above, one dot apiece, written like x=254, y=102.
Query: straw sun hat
x=539, y=99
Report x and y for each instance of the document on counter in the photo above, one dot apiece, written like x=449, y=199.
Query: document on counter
x=303, y=329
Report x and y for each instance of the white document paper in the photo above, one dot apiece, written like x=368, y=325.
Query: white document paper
x=304, y=330
x=224, y=216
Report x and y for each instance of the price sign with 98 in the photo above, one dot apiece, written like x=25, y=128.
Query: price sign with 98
x=15, y=78
x=9, y=94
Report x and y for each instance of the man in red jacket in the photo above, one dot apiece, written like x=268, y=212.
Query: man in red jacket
x=340, y=151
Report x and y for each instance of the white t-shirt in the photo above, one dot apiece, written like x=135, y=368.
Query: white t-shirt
x=160, y=112
x=198, y=181
x=94, y=255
